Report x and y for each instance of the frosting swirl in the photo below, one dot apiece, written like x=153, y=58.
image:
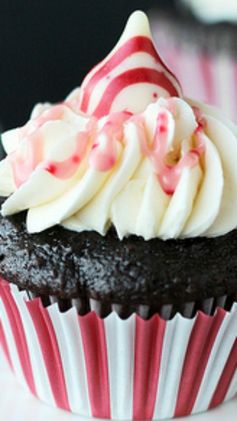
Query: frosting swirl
x=166, y=169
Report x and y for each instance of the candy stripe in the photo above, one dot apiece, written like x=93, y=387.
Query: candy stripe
x=131, y=77
x=198, y=353
x=121, y=364
x=177, y=334
x=148, y=350
x=225, y=379
x=132, y=46
x=50, y=350
x=67, y=331
x=93, y=337
x=3, y=342
x=216, y=363
x=232, y=388
x=17, y=328
x=16, y=364
x=42, y=385
x=122, y=369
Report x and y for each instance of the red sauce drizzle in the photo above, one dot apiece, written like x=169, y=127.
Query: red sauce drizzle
x=103, y=155
x=169, y=175
x=23, y=166
x=54, y=113
x=68, y=167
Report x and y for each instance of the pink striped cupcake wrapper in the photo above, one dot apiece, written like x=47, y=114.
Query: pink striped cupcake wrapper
x=119, y=369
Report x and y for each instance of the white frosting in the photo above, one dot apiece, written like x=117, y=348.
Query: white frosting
x=129, y=195
x=166, y=171
x=212, y=11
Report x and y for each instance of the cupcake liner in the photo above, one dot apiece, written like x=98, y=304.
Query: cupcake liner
x=167, y=311
x=208, y=74
x=119, y=369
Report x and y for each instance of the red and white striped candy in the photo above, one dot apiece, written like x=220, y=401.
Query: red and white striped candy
x=132, y=76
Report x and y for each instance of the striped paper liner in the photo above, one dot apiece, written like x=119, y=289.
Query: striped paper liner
x=166, y=311
x=119, y=369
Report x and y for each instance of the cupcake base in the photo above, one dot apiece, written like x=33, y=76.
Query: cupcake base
x=68, y=265
x=119, y=369
x=166, y=311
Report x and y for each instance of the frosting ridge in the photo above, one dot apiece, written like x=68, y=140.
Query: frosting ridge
x=148, y=174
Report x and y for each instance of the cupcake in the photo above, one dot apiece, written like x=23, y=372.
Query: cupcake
x=198, y=40
x=118, y=245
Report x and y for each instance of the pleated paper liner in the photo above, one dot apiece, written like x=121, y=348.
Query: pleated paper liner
x=189, y=309
x=120, y=369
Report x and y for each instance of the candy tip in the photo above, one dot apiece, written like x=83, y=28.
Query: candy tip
x=137, y=23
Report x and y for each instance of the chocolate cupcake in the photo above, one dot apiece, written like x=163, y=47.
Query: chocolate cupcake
x=118, y=244
x=197, y=38
x=132, y=275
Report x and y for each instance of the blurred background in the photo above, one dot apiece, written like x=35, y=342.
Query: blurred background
x=48, y=46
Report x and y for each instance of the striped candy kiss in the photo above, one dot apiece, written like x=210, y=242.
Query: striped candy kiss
x=132, y=76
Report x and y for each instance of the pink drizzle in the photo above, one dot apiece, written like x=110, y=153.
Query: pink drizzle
x=54, y=113
x=67, y=168
x=23, y=166
x=168, y=175
x=103, y=155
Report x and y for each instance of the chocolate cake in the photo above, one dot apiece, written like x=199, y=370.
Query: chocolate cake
x=129, y=273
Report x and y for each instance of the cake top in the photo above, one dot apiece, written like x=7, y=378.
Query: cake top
x=126, y=149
